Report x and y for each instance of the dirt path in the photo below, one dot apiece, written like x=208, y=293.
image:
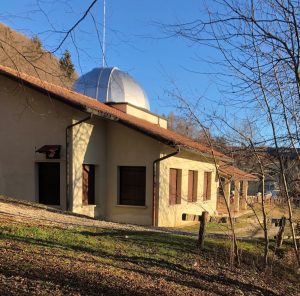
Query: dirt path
x=50, y=216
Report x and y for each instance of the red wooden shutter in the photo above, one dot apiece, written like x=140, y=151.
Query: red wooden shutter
x=179, y=182
x=190, y=185
x=85, y=184
x=195, y=186
x=205, y=186
x=208, y=186
x=172, y=186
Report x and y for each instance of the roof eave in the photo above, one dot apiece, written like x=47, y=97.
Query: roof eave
x=205, y=154
x=81, y=107
x=78, y=106
x=232, y=176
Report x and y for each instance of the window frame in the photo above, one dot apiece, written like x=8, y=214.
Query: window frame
x=175, y=192
x=192, y=185
x=125, y=198
x=207, y=185
x=91, y=184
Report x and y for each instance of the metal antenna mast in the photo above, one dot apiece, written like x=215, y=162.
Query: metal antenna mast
x=104, y=33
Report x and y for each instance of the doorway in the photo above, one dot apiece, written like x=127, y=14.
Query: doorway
x=49, y=183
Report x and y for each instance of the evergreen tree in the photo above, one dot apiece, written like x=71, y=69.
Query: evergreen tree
x=37, y=43
x=66, y=63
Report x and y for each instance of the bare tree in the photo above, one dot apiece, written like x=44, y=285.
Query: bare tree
x=252, y=150
x=207, y=138
x=259, y=43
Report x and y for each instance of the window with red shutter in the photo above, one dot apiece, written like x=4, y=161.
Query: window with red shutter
x=175, y=178
x=195, y=186
x=207, y=186
x=192, y=186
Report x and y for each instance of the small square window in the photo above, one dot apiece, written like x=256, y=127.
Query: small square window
x=132, y=185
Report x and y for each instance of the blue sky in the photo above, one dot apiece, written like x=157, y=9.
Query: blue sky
x=135, y=43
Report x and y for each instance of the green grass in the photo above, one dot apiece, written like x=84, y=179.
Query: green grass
x=106, y=242
x=172, y=249
x=82, y=258
x=214, y=227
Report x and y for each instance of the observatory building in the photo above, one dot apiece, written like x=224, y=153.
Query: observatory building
x=97, y=150
x=118, y=89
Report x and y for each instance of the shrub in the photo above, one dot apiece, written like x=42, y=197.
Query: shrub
x=37, y=42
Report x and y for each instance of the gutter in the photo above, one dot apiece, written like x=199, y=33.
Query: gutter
x=68, y=129
x=154, y=197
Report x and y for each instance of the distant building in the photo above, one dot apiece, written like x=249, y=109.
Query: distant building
x=247, y=160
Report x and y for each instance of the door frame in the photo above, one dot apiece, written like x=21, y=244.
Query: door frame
x=61, y=184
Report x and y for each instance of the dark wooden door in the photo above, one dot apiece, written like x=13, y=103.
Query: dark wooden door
x=49, y=183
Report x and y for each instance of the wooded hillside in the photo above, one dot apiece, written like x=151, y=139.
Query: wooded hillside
x=27, y=55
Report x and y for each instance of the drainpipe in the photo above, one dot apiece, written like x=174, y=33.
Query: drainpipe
x=155, y=162
x=68, y=129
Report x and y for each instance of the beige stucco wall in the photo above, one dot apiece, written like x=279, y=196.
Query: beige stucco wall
x=127, y=147
x=143, y=114
x=28, y=120
x=89, y=147
x=171, y=215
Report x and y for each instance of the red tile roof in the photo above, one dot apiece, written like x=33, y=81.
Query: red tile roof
x=88, y=104
x=229, y=170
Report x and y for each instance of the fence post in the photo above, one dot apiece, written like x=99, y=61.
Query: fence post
x=202, y=229
x=279, y=238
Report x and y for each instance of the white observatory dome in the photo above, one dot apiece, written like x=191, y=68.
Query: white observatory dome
x=112, y=85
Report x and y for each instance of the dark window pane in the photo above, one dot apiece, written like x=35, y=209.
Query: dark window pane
x=132, y=185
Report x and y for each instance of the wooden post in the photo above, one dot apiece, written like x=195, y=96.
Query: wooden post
x=279, y=237
x=202, y=229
